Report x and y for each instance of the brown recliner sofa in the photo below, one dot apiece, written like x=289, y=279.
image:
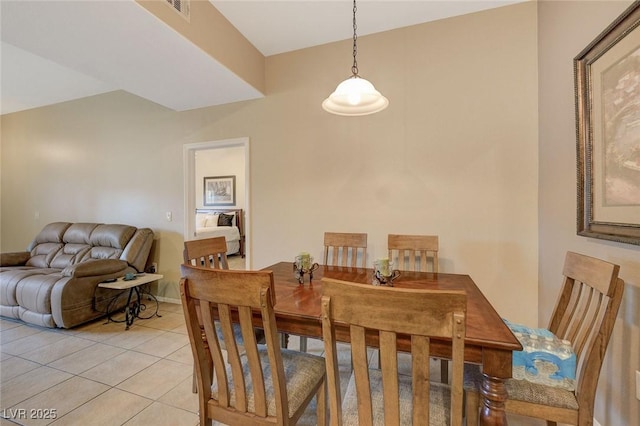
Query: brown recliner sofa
x=55, y=282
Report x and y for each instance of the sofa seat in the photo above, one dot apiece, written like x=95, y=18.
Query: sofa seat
x=55, y=284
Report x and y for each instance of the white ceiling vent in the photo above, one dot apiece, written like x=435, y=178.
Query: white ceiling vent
x=180, y=6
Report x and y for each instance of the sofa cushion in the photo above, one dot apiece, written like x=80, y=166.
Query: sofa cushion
x=79, y=233
x=94, y=268
x=69, y=255
x=102, y=253
x=137, y=251
x=43, y=253
x=46, y=244
x=43, y=320
x=12, y=276
x=34, y=292
x=51, y=233
x=116, y=236
x=10, y=280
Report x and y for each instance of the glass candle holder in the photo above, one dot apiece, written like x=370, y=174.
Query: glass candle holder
x=383, y=266
x=303, y=264
x=383, y=272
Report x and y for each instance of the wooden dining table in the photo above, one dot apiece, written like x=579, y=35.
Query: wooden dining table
x=488, y=341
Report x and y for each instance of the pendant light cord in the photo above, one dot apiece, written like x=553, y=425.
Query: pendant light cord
x=354, y=68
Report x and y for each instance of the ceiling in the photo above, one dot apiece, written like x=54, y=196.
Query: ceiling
x=54, y=51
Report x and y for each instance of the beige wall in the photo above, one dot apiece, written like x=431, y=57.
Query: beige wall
x=565, y=28
x=455, y=154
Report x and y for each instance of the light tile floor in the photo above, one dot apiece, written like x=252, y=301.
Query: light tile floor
x=98, y=373
x=102, y=374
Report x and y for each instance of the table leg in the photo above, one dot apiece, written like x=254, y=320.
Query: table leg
x=128, y=315
x=494, y=395
x=143, y=306
x=284, y=340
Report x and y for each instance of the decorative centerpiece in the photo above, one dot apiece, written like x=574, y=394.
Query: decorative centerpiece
x=383, y=272
x=303, y=264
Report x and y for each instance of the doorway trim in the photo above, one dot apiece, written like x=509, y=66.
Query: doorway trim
x=189, y=167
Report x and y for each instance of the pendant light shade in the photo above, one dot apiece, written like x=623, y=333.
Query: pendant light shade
x=355, y=95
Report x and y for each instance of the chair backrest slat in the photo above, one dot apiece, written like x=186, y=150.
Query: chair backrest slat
x=345, y=249
x=251, y=352
x=580, y=313
x=597, y=309
x=390, y=389
x=215, y=354
x=275, y=359
x=421, y=314
x=420, y=368
x=413, y=252
x=361, y=372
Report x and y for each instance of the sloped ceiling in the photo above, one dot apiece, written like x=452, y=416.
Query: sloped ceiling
x=55, y=51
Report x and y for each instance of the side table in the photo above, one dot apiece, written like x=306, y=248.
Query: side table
x=133, y=307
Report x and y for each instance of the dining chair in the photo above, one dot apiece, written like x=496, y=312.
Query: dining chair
x=264, y=385
x=584, y=314
x=207, y=252
x=344, y=249
x=210, y=253
x=417, y=253
x=413, y=252
x=380, y=314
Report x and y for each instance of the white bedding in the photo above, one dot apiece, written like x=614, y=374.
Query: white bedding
x=206, y=227
x=231, y=233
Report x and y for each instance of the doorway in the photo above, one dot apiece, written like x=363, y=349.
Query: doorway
x=199, y=165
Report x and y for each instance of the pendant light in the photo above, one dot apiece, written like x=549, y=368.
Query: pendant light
x=355, y=95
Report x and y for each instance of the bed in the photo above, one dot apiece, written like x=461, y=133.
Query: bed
x=226, y=223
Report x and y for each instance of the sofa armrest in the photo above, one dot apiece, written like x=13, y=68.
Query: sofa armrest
x=95, y=268
x=14, y=259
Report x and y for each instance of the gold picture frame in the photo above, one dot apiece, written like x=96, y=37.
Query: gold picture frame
x=607, y=90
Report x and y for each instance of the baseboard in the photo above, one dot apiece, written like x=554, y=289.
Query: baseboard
x=595, y=422
x=171, y=300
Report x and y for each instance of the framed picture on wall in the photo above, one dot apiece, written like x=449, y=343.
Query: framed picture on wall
x=607, y=89
x=219, y=191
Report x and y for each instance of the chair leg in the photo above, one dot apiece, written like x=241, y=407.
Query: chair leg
x=259, y=333
x=321, y=405
x=303, y=344
x=472, y=408
x=444, y=371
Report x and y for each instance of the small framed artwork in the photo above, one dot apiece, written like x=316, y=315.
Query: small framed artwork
x=607, y=89
x=219, y=191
